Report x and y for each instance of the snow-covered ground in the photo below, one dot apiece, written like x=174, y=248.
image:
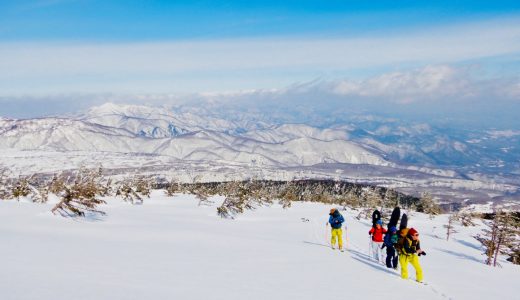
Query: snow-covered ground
x=171, y=248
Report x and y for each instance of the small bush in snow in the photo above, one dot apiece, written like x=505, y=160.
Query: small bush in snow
x=81, y=196
x=21, y=188
x=126, y=191
x=57, y=184
x=39, y=195
x=133, y=190
x=172, y=188
x=143, y=185
x=515, y=255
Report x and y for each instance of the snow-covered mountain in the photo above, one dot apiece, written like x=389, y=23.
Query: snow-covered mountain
x=151, y=131
x=159, y=122
x=410, y=157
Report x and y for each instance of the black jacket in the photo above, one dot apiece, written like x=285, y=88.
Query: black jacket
x=410, y=246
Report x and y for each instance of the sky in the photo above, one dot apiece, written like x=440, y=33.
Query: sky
x=398, y=53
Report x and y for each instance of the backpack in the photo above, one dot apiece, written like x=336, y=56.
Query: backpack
x=388, y=240
x=401, y=240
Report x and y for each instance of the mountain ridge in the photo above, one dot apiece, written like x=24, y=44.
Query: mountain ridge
x=168, y=138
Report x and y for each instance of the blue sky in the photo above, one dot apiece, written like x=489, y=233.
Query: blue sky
x=402, y=52
x=130, y=20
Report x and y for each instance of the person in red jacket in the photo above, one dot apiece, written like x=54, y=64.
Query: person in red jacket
x=377, y=240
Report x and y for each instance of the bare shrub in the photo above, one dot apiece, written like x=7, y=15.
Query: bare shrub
x=450, y=226
x=172, y=188
x=80, y=196
x=20, y=188
x=133, y=190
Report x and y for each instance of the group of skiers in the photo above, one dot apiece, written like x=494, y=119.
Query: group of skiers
x=402, y=246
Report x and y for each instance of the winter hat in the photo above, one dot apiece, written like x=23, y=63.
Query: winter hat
x=379, y=222
x=393, y=229
x=412, y=231
x=332, y=210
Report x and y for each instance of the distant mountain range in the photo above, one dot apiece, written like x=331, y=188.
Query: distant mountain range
x=450, y=163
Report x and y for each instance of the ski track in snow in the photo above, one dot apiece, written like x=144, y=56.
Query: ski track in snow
x=356, y=252
x=171, y=248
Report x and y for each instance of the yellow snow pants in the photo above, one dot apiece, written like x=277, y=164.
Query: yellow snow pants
x=413, y=259
x=337, y=233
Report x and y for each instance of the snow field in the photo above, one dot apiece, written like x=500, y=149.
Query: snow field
x=171, y=248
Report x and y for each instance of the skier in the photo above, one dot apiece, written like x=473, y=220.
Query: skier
x=377, y=240
x=335, y=221
x=389, y=242
x=409, y=252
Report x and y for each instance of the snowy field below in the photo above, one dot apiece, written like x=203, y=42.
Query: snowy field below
x=171, y=248
x=445, y=185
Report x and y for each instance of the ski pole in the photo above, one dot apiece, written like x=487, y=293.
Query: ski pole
x=369, y=254
x=346, y=238
x=327, y=240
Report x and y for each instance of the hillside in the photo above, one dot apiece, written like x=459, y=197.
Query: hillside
x=173, y=248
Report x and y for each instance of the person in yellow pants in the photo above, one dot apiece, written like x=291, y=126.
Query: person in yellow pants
x=336, y=220
x=410, y=253
x=337, y=234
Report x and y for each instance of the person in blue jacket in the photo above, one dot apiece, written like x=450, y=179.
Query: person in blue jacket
x=336, y=221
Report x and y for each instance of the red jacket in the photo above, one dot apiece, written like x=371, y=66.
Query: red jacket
x=377, y=234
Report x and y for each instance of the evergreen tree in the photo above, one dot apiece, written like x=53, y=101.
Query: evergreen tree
x=427, y=205
x=500, y=236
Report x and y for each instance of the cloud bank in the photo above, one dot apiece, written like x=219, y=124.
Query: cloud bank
x=224, y=65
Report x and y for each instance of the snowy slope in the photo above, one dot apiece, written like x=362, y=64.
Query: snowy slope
x=283, y=133
x=174, y=249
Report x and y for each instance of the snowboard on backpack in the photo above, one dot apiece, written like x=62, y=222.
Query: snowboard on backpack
x=376, y=216
x=404, y=222
x=396, y=214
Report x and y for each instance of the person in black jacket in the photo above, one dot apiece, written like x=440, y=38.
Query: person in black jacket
x=389, y=242
x=410, y=254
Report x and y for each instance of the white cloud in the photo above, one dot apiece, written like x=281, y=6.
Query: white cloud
x=217, y=65
x=421, y=84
